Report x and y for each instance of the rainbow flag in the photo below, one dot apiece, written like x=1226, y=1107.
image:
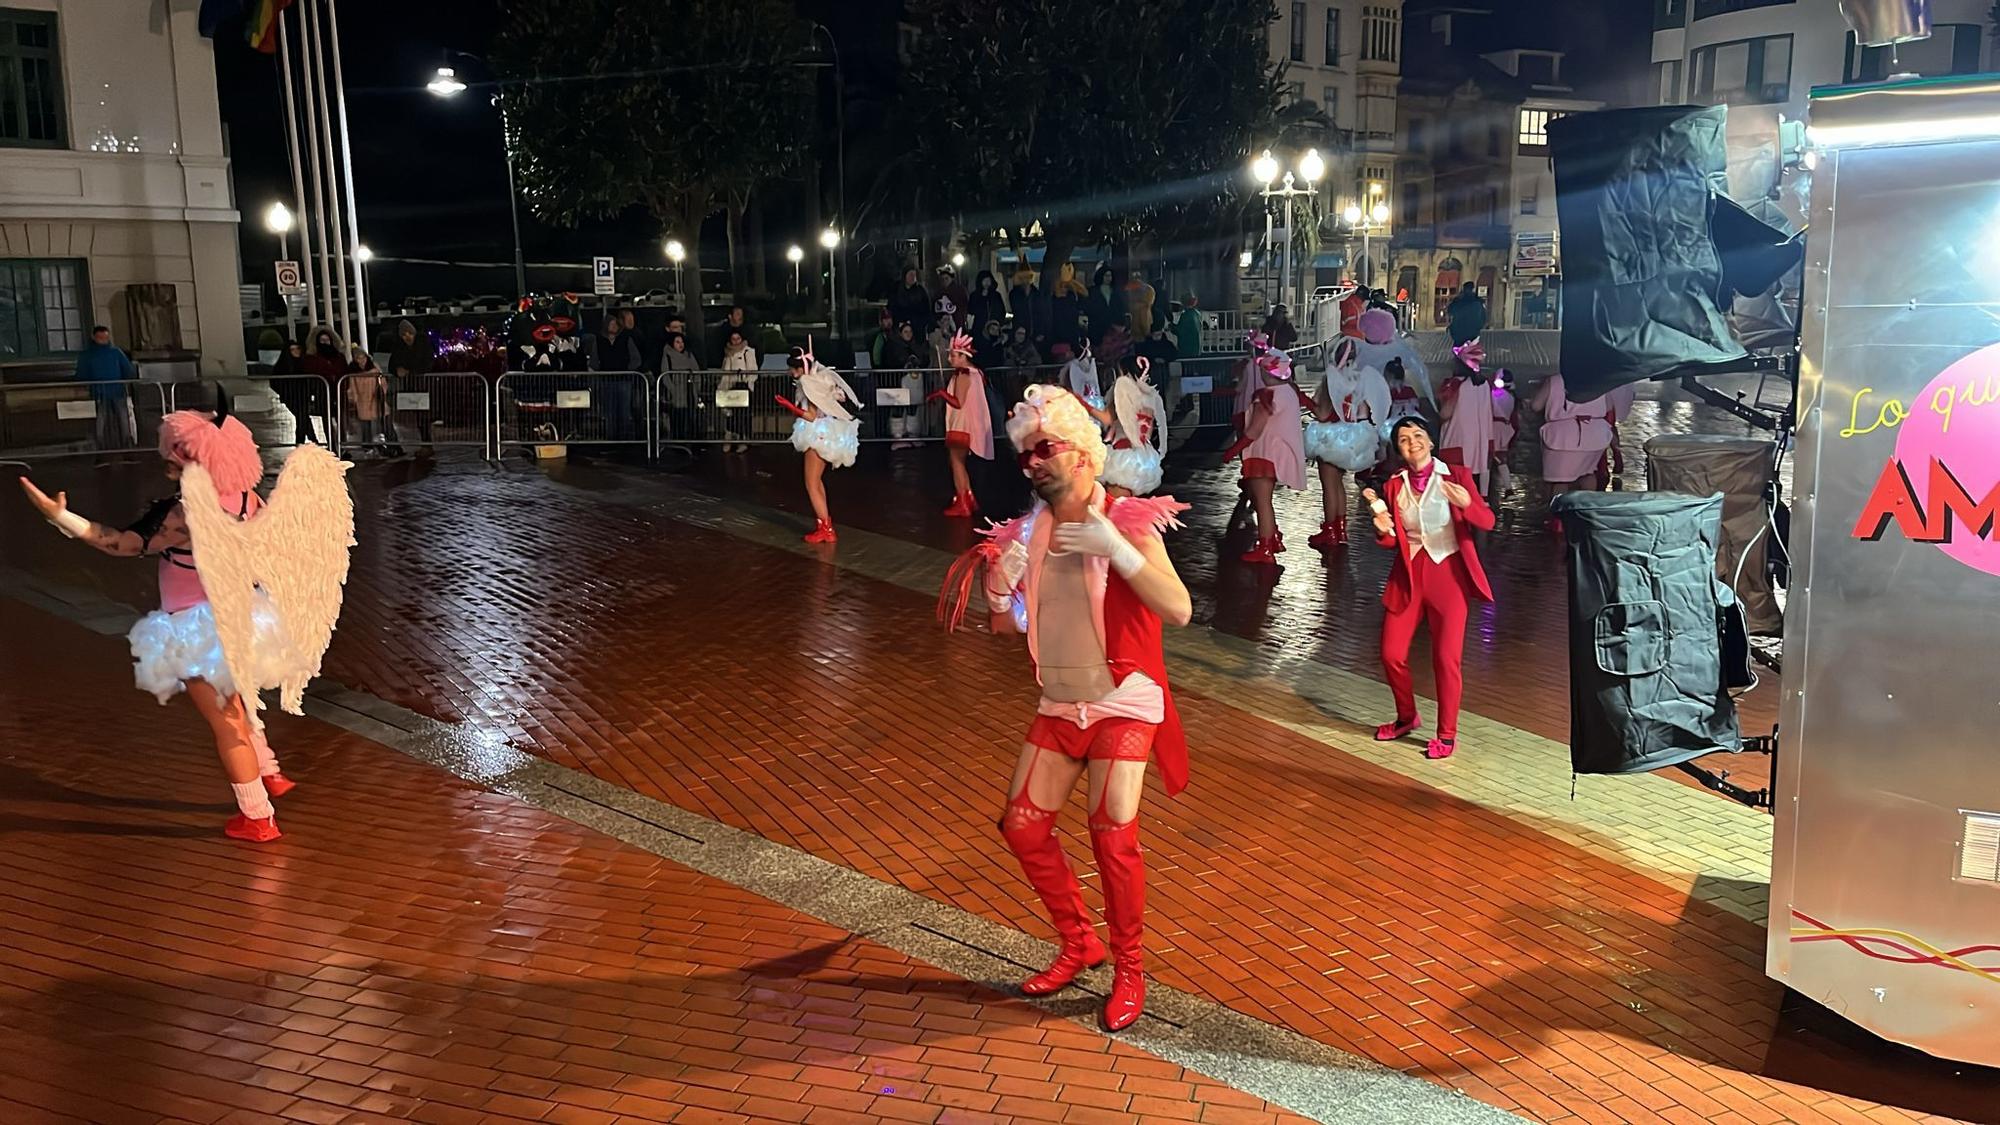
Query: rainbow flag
x=260, y=20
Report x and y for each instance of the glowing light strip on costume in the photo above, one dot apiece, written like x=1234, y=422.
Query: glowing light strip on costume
x=1922, y=130
x=1918, y=951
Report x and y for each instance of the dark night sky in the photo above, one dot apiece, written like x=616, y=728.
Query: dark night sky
x=430, y=173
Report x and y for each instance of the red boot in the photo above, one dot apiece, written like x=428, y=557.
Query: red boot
x=822, y=532
x=1030, y=835
x=1340, y=531
x=277, y=784
x=963, y=505
x=260, y=831
x=1278, y=542
x=1123, y=869
x=1328, y=536
x=1266, y=552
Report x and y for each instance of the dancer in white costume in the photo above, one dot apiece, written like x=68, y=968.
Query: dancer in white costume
x=249, y=589
x=825, y=431
x=1080, y=375
x=1137, y=445
x=1380, y=345
x=1345, y=436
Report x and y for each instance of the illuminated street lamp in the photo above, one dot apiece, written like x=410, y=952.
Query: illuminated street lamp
x=676, y=253
x=795, y=254
x=829, y=239
x=446, y=84
x=1374, y=217
x=1266, y=170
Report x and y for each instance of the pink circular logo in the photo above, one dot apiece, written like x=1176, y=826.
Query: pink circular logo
x=1956, y=419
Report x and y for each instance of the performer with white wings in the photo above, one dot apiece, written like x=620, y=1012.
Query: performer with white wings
x=1381, y=345
x=1137, y=445
x=249, y=589
x=825, y=431
x=1345, y=435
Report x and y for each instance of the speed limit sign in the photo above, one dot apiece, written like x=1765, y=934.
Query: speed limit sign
x=289, y=284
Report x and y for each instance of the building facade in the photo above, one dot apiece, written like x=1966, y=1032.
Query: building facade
x=116, y=205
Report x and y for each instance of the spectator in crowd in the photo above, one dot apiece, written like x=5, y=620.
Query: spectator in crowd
x=989, y=345
x=327, y=358
x=950, y=288
x=106, y=367
x=1027, y=301
x=739, y=365
x=1022, y=356
x=1116, y=345
x=1278, y=326
x=985, y=306
x=1187, y=327
x=1139, y=305
x=734, y=322
x=1159, y=350
x=906, y=352
x=945, y=327
x=679, y=383
x=1104, y=305
x=616, y=350
x=885, y=330
x=1466, y=315
x=367, y=394
x=410, y=359
x=302, y=395
x=910, y=304
x=1065, y=309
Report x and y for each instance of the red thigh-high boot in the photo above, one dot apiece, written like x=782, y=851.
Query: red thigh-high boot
x=1123, y=869
x=1030, y=832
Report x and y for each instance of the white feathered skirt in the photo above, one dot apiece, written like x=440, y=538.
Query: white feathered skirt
x=1136, y=469
x=835, y=440
x=1347, y=446
x=169, y=649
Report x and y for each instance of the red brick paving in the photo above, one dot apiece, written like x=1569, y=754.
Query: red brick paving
x=1442, y=939
x=419, y=948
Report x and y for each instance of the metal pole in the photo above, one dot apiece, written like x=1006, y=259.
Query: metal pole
x=1285, y=279
x=347, y=167
x=840, y=166
x=316, y=182
x=514, y=205
x=333, y=236
x=298, y=181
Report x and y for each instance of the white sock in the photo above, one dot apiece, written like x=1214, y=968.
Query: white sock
x=251, y=799
x=267, y=762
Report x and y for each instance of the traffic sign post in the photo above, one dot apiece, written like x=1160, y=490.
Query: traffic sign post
x=600, y=276
x=291, y=288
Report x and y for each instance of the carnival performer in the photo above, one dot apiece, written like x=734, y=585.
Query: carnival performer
x=1273, y=448
x=1428, y=519
x=1381, y=345
x=1086, y=578
x=1574, y=437
x=1345, y=436
x=1465, y=402
x=1138, y=444
x=1080, y=375
x=825, y=431
x=968, y=422
x=1506, y=426
x=249, y=589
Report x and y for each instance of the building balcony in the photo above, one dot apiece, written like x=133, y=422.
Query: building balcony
x=1467, y=233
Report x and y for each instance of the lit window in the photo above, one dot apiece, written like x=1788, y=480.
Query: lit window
x=1534, y=128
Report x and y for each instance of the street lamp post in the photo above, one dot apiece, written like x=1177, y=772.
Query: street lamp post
x=446, y=84
x=362, y=256
x=795, y=254
x=1374, y=218
x=676, y=253
x=278, y=220
x=839, y=166
x=830, y=239
x=1266, y=168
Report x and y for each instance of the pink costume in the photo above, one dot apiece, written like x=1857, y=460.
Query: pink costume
x=1575, y=434
x=1279, y=449
x=969, y=425
x=1468, y=437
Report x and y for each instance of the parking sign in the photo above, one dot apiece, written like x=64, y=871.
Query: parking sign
x=600, y=276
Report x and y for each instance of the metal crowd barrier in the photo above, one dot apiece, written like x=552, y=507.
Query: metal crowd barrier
x=302, y=409
x=43, y=421
x=442, y=410
x=569, y=408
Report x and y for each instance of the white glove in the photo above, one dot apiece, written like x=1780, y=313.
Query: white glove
x=1098, y=536
x=70, y=524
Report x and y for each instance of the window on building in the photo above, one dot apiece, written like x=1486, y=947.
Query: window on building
x=43, y=307
x=1297, y=90
x=1667, y=82
x=1745, y=72
x=1332, y=44
x=1953, y=48
x=30, y=81
x=1534, y=131
x=1330, y=102
x=1298, y=32
x=1536, y=68
x=1669, y=14
x=1381, y=34
x=1706, y=8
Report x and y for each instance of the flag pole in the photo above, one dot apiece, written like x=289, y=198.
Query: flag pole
x=336, y=240
x=298, y=182
x=347, y=167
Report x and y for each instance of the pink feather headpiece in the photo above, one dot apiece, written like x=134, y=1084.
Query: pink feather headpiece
x=226, y=451
x=1259, y=342
x=1471, y=353
x=961, y=344
x=1276, y=364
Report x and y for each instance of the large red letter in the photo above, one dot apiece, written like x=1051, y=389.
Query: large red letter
x=1952, y=506
x=1891, y=499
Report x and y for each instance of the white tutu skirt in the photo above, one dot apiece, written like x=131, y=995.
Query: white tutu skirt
x=169, y=649
x=1347, y=446
x=1136, y=469
x=834, y=440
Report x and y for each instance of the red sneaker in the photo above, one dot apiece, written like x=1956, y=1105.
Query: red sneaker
x=1328, y=536
x=962, y=505
x=1265, y=552
x=1127, y=1000
x=1068, y=965
x=1277, y=542
x=822, y=532
x=277, y=784
x=1440, y=748
x=1390, y=732
x=1340, y=532
x=256, y=831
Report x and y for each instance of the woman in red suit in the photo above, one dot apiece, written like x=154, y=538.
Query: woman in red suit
x=1431, y=512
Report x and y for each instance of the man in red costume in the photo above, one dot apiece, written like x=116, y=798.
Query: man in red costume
x=1086, y=578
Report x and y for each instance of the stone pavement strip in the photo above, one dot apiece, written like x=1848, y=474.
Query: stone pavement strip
x=443, y=952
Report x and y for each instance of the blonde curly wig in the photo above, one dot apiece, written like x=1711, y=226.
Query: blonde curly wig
x=1046, y=408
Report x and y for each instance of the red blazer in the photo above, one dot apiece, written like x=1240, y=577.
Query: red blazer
x=1396, y=595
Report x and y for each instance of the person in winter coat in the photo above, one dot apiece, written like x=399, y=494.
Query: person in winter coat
x=1117, y=343
x=409, y=361
x=1103, y=306
x=1278, y=326
x=368, y=398
x=1066, y=308
x=616, y=350
x=950, y=288
x=1467, y=315
x=1030, y=305
x=911, y=304
x=907, y=353
x=739, y=364
x=302, y=396
x=985, y=306
x=1187, y=328
x=678, y=383
x=107, y=369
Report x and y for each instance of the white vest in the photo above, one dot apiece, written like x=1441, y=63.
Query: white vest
x=1427, y=517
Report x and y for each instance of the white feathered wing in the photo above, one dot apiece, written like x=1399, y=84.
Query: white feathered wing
x=295, y=548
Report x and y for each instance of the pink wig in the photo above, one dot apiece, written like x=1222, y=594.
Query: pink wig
x=227, y=451
x=1378, y=326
